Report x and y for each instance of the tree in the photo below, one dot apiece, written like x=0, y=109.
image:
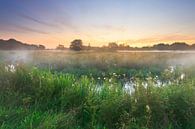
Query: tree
x=161, y=46
x=60, y=47
x=76, y=45
x=179, y=46
x=193, y=46
x=123, y=47
x=113, y=45
x=41, y=47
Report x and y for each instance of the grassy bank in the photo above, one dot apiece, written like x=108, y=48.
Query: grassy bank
x=33, y=98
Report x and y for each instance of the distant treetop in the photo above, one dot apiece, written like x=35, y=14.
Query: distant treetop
x=76, y=45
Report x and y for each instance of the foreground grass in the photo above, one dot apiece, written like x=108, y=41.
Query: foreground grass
x=37, y=99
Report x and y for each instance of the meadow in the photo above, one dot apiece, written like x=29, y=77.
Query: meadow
x=97, y=90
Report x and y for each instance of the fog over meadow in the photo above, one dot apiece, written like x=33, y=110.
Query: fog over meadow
x=176, y=58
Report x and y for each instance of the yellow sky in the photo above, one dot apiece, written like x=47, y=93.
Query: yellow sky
x=51, y=41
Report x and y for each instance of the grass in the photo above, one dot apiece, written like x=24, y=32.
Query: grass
x=90, y=90
x=34, y=98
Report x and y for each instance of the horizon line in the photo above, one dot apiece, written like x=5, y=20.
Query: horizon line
x=124, y=43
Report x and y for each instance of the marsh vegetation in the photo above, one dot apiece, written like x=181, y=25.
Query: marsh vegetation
x=92, y=90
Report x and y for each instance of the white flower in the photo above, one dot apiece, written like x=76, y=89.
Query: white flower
x=172, y=69
x=10, y=68
x=182, y=76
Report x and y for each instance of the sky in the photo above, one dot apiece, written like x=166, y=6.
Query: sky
x=98, y=22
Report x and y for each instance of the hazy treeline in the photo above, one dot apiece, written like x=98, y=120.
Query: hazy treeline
x=78, y=45
x=13, y=44
x=161, y=46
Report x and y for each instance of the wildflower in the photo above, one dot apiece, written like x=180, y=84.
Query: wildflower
x=182, y=76
x=172, y=69
x=129, y=87
x=10, y=68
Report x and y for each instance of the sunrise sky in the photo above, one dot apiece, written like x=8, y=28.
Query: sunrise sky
x=134, y=22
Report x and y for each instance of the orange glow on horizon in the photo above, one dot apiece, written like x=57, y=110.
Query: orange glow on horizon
x=54, y=40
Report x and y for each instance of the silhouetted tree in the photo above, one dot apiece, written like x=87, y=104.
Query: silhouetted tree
x=161, y=46
x=113, y=45
x=60, y=47
x=76, y=45
x=193, y=47
x=179, y=46
x=123, y=47
x=41, y=47
x=13, y=44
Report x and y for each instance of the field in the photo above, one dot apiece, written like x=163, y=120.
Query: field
x=97, y=90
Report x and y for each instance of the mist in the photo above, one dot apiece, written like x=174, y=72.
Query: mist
x=17, y=57
x=184, y=60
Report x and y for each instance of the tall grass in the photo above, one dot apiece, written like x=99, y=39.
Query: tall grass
x=33, y=98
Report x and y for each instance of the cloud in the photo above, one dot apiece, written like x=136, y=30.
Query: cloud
x=57, y=23
x=28, y=29
x=19, y=29
x=37, y=20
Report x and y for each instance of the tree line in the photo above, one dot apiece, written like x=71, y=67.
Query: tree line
x=77, y=45
x=13, y=44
